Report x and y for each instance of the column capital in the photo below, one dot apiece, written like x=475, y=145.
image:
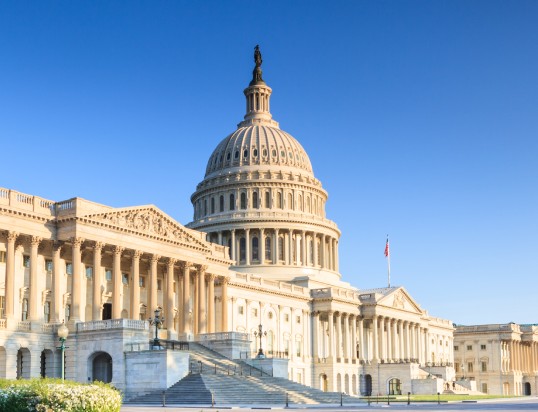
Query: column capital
x=118, y=250
x=12, y=236
x=35, y=240
x=225, y=279
x=201, y=269
x=57, y=246
x=171, y=262
x=185, y=265
x=155, y=258
x=210, y=277
x=77, y=242
x=137, y=254
x=98, y=246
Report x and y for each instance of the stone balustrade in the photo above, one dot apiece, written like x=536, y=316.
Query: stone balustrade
x=112, y=324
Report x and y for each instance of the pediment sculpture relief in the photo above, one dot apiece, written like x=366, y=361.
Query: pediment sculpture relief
x=398, y=301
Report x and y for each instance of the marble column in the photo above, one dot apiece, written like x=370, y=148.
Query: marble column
x=293, y=259
x=347, y=340
x=247, y=246
x=117, y=295
x=323, y=252
x=186, y=297
x=97, y=305
x=202, y=311
x=233, y=246
x=304, y=258
x=224, y=284
x=375, y=354
x=315, y=336
x=275, y=247
x=57, y=276
x=10, y=275
x=353, y=344
x=339, y=335
x=153, y=302
x=76, y=295
x=169, y=308
x=35, y=300
x=315, y=249
x=330, y=325
x=135, y=286
x=396, y=341
x=261, y=247
x=362, y=352
x=211, y=304
x=389, y=339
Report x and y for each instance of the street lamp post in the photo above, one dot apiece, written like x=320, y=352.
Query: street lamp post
x=62, y=335
x=156, y=321
x=260, y=333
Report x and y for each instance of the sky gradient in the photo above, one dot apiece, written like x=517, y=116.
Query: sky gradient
x=420, y=119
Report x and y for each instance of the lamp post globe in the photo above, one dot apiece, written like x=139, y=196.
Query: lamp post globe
x=63, y=332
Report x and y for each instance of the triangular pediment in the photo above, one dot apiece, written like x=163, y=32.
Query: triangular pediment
x=400, y=299
x=147, y=221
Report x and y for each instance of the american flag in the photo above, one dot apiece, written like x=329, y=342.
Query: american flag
x=387, y=252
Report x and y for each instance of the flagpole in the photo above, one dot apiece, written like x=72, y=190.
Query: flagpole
x=388, y=262
x=387, y=254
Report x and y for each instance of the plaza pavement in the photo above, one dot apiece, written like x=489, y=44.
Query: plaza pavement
x=511, y=404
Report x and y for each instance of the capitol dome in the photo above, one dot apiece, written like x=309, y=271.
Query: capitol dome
x=260, y=198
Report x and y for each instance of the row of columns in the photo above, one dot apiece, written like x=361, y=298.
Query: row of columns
x=523, y=356
x=295, y=250
x=203, y=311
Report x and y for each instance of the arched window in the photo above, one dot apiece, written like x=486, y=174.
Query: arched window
x=232, y=202
x=255, y=254
x=290, y=201
x=280, y=248
x=301, y=203
x=268, y=248
x=205, y=207
x=279, y=200
x=310, y=252
x=221, y=203
x=308, y=204
x=255, y=200
x=318, y=245
x=242, y=249
x=24, y=315
x=267, y=200
x=243, y=201
x=212, y=205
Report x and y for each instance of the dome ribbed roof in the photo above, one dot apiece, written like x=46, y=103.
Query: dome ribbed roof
x=258, y=145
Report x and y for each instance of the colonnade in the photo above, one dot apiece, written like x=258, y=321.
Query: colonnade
x=521, y=356
x=195, y=310
x=380, y=339
x=279, y=247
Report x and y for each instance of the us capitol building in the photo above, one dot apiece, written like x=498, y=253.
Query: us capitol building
x=257, y=267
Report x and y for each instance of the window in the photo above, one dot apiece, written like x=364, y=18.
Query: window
x=48, y=266
x=205, y=207
x=254, y=312
x=267, y=200
x=2, y=256
x=142, y=313
x=108, y=275
x=67, y=312
x=456, y=348
x=243, y=201
x=89, y=272
x=469, y=367
x=279, y=200
x=255, y=254
x=484, y=366
x=240, y=310
x=255, y=200
x=159, y=284
x=483, y=347
x=69, y=268
x=280, y=248
x=242, y=249
x=221, y=203
x=125, y=278
x=298, y=347
x=456, y=367
x=267, y=248
x=484, y=387
x=290, y=201
x=2, y=306
x=270, y=315
x=142, y=281
x=286, y=317
x=232, y=202
x=24, y=314
x=26, y=261
x=298, y=319
x=236, y=154
x=46, y=311
x=212, y=205
x=469, y=347
x=255, y=152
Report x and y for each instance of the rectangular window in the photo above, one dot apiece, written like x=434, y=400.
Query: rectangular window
x=469, y=347
x=108, y=275
x=482, y=347
x=125, y=278
x=142, y=281
x=484, y=366
x=69, y=268
x=456, y=348
x=298, y=319
x=26, y=261
x=286, y=317
x=159, y=284
x=240, y=310
x=456, y=367
x=2, y=306
x=484, y=387
x=89, y=272
x=286, y=347
x=48, y=266
x=2, y=256
x=46, y=312
x=298, y=348
x=469, y=367
x=255, y=312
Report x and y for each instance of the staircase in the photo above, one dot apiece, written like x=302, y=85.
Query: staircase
x=233, y=384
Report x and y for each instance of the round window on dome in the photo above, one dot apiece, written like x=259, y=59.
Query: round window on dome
x=228, y=156
x=255, y=152
x=236, y=154
x=282, y=153
x=264, y=152
x=290, y=155
x=245, y=153
x=273, y=153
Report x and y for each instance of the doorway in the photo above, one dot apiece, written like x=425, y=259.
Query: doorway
x=107, y=311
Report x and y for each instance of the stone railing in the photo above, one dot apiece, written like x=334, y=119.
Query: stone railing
x=50, y=327
x=23, y=201
x=505, y=327
x=24, y=326
x=112, y=324
x=208, y=337
x=334, y=292
x=274, y=285
x=3, y=323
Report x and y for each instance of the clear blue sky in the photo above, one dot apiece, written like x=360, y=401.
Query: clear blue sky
x=420, y=119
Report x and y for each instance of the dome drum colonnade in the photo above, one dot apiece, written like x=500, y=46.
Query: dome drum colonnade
x=47, y=298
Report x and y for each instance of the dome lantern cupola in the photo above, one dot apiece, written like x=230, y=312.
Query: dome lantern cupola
x=258, y=95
